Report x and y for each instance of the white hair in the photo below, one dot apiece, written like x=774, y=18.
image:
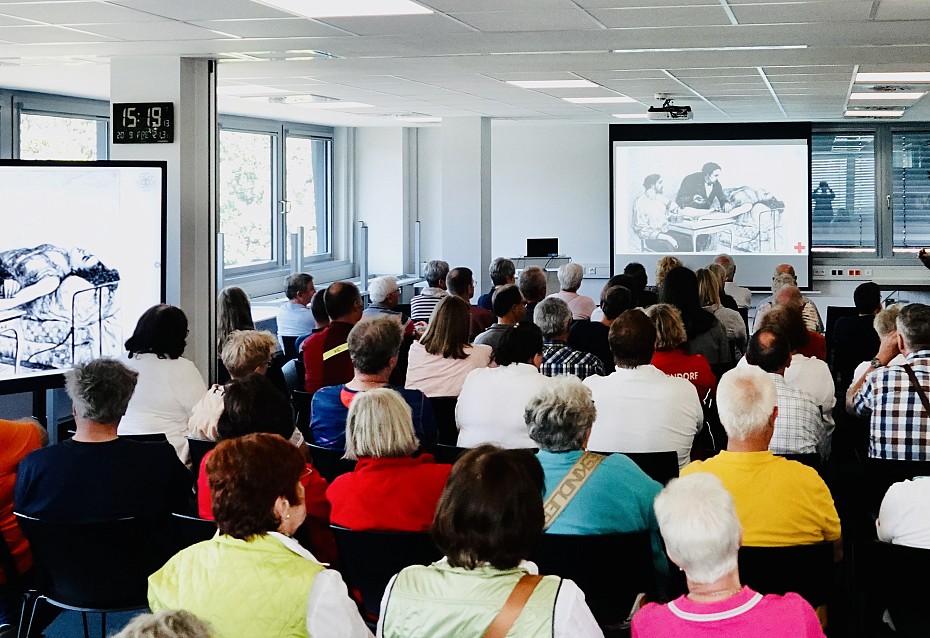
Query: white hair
x=746, y=397
x=380, y=288
x=698, y=521
x=570, y=276
x=783, y=279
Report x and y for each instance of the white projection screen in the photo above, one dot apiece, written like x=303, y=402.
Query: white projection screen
x=695, y=191
x=81, y=258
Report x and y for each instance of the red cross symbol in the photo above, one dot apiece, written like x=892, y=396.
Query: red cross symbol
x=799, y=247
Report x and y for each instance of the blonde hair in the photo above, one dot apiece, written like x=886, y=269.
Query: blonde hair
x=246, y=350
x=670, y=329
x=666, y=264
x=886, y=321
x=380, y=424
x=167, y=623
x=447, y=333
x=708, y=287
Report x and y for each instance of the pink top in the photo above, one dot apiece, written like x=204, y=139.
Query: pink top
x=746, y=614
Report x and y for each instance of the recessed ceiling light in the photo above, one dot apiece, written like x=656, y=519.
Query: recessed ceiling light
x=347, y=8
x=758, y=47
x=853, y=113
x=630, y=116
x=886, y=96
x=893, y=77
x=553, y=84
x=317, y=102
x=619, y=99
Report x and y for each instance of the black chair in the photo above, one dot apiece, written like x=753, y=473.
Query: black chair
x=611, y=569
x=290, y=350
x=370, y=559
x=444, y=413
x=879, y=474
x=329, y=463
x=198, y=449
x=834, y=313
x=660, y=466
x=448, y=453
x=293, y=376
x=805, y=569
x=302, y=405
x=155, y=437
x=191, y=530
x=98, y=567
x=890, y=588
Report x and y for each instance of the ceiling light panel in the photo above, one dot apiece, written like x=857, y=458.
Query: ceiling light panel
x=906, y=77
x=617, y=99
x=553, y=84
x=855, y=113
x=348, y=8
x=630, y=116
x=887, y=97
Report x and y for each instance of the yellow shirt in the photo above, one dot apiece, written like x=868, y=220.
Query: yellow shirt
x=779, y=502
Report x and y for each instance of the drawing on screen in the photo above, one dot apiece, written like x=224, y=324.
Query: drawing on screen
x=58, y=307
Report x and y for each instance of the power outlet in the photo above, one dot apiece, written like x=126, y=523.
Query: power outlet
x=592, y=270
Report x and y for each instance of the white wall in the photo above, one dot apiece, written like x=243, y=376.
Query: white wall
x=429, y=193
x=380, y=195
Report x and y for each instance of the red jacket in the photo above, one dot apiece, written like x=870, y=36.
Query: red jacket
x=693, y=367
x=816, y=346
x=396, y=494
x=326, y=357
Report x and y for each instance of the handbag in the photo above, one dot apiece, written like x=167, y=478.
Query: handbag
x=514, y=604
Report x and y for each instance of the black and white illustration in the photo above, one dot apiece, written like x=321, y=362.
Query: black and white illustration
x=79, y=262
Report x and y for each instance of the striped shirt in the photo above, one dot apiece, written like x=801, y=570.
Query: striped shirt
x=558, y=359
x=421, y=306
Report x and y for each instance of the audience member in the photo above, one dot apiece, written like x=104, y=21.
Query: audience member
x=742, y=296
x=779, y=502
x=373, y=347
x=318, y=309
x=384, y=296
x=168, y=623
x=509, y=308
x=616, y=280
x=854, y=338
x=702, y=534
x=644, y=297
x=640, y=409
x=488, y=520
x=790, y=297
x=800, y=427
x=725, y=300
x=390, y=488
x=591, y=336
x=95, y=475
x=785, y=276
x=442, y=358
x=570, y=276
x=533, y=286
x=233, y=312
x=903, y=518
x=421, y=306
x=554, y=318
x=252, y=578
x=244, y=352
x=502, y=272
x=490, y=407
x=671, y=355
x=616, y=497
x=169, y=385
x=294, y=319
x=325, y=353
x=885, y=326
x=709, y=293
x=460, y=283
x=898, y=424
x=706, y=335
x=665, y=266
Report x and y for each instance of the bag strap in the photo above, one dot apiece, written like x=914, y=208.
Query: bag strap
x=568, y=487
x=916, y=385
x=515, y=603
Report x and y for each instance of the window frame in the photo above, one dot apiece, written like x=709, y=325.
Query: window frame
x=61, y=106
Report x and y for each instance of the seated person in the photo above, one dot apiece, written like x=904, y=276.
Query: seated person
x=488, y=520
x=903, y=518
x=570, y=276
x=885, y=326
x=325, y=356
x=168, y=623
x=779, y=502
x=671, y=355
x=245, y=352
x=509, y=307
x=422, y=305
x=502, y=271
x=390, y=488
x=373, y=346
x=384, y=297
x=709, y=290
x=702, y=534
x=591, y=336
x=490, y=407
x=252, y=578
x=554, y=318
x=617, y=497
x=294, y=317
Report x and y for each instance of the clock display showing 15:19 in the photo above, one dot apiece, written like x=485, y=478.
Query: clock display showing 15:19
x=143, y=123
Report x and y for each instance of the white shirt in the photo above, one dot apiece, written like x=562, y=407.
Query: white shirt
x=437, y=376
x=330, y=611
x=742, y=296
x=294, y=320
x=643, y=410
x=810, y=375
x=899, y=360
x=581, y=306
x=572, y=617
x=490, y=407
x=164, y=398
x=904, y=518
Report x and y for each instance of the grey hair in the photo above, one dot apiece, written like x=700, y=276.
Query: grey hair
x=783, y=279
x=914, y=326
x=553, y=317
x=560, y=416
x=501, y=270
x=698, y=521
x=372, y=343
x=380, y=288
x=379, y=424
x=101, y=389
x=746, y=397
x=729, y=265
x=436, y=271
x=167, y=623
x=570, y=276
x=886, y=321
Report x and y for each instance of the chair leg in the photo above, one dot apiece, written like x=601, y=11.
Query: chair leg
x=103, y=625
x=35, y=597
x=84, y=619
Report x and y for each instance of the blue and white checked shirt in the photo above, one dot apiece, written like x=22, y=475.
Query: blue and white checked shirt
x=558, y=359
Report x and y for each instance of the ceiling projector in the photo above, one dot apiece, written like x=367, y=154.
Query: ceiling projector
x=669, y=111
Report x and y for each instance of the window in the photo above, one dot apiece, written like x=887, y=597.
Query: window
x=307, y=197
x=910, y=189
x=246, y=198
x=843, y=191
x=54, y=137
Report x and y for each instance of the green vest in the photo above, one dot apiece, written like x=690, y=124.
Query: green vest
x=439, y=600
x=244, y=589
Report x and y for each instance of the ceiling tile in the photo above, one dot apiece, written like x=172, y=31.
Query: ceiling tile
x=400, y=25
x=456, y=6
x=46, y=34
x=553, y=20
x=76, y=13
x=153, y=31
x=270, y=27
x=669, y=17
x=903, y=10
x=204, y=9
x=797, y=12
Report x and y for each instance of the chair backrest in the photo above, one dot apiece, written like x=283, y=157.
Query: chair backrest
x=293, y=379
x=95, y=565
x=192, y=530
x=290, y=350
x=661, y=466
x=810, y=460
x=890, y=588
x=448, y=453
x=370, y=559
x=444, y=413
x=881, y=473
x=198, y=449
x=611, y=569
x=329, y=463
x=302, y=401
x=804, y=569
x=155, y=437
x=834, y=313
